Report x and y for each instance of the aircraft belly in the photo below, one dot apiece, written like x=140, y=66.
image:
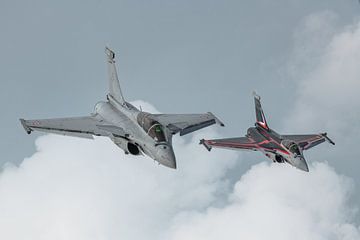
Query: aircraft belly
x=270, y=155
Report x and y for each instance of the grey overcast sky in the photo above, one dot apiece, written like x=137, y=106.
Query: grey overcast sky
x=183, y=57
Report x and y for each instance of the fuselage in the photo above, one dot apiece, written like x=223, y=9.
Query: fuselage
x=137, y=138
x=277, y=148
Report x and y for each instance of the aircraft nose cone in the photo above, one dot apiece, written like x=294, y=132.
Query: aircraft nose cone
x=171, y=164
x=167, y=157
x=301, y=164
x=169, y=160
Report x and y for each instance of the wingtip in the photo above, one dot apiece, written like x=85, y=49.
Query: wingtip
x=25, y=126
x=203, y=142
x=327, y=138
x=217, y=120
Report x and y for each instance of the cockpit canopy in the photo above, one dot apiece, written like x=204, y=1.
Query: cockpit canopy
x=152, y=127
x=292, y=147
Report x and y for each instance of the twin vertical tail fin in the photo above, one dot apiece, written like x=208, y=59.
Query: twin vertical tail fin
x=260, y=116
x=114, y=85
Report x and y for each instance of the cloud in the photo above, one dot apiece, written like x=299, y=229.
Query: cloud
x=310, y=37
x=275, y=202
x=327, y=80
x=327, y=75
x=81, y=189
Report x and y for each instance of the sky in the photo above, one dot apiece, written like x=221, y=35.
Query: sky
x=302, y=57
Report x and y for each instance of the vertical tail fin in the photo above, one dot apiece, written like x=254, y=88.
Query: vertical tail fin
x=114, y=85
x=260, y=116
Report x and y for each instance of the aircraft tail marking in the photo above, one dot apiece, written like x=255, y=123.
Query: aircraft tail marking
x=260, y=116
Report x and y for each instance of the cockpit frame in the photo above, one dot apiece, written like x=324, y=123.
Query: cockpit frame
x=152, y=127
x=292, y=147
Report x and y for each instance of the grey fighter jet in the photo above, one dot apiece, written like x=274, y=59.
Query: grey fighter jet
x=279, y=148
x=133, y=130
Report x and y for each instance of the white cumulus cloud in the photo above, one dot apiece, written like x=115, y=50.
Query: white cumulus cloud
x=275, y=202
x=327, y=76
x=81, y=189
x=327, y=83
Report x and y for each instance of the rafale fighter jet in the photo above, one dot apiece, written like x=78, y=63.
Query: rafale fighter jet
x=134, y=131
x=279, y=148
